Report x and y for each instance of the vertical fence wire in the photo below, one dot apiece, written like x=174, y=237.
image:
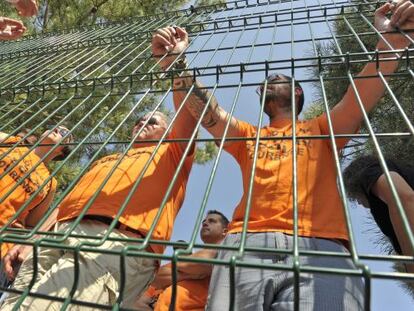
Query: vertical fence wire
x=77, y=75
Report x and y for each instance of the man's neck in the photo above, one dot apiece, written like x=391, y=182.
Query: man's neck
x=279, y=113
x=41, y=152
x=280, y=116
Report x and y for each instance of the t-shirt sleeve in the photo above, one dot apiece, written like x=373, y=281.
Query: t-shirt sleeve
x=11, y=140
x=235, y=147
x=371, y=174
x=177, y=152
x=324, y=127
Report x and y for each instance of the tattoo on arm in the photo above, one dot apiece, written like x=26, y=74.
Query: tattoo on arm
x=197, y=101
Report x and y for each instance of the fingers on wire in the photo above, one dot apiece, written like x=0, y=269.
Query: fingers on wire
x=181, y=33
x=383, y=10
x=9, y=35
x=8, y=268
x=15, y=23
x=163, y=40
x=398, y=9
x=405, y=15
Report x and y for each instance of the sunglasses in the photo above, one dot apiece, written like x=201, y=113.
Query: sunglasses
x=271, y=78
x=151, y=121
x=62, y=132
x=66, y=149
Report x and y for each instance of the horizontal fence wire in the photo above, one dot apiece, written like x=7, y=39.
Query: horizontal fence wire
x=98, y=80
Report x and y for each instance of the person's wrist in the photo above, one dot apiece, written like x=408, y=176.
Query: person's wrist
x=181, y=64
x=164, y=65
x=177, y=64
x=393, y=42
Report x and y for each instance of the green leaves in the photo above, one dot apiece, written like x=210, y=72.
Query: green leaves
x=386, y=117
x=56, y=15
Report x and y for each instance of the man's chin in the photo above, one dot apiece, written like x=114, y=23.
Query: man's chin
x=141, y=137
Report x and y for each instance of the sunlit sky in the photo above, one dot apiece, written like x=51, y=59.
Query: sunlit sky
x=227, y=188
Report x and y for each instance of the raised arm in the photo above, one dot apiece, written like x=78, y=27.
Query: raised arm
x=174, y=40
x=346, y=115
x=37, y=213
x=406, y=194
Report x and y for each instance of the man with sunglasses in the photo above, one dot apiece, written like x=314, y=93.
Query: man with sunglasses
x=137, y=182
x=321, y=224
x=16, y=189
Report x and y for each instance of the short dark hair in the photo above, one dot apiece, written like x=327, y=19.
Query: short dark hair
x=355, y=171
x=353, y=175
x=224, y=220
x=178, y=246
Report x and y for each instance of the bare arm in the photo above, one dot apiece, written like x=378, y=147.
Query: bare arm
x=3, y=136
x=382, y=190
x=163, y=278
x=215, y=118
x=186, y=270
x=166, y=40
x=36, y=214
x=175, y=40
x=346, y=115
x=18, y=253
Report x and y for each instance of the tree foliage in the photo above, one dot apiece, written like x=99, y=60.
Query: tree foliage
x=93, y=111
x=57, y=15
x=386, y=117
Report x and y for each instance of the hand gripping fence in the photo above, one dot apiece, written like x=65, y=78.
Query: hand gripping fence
x=96, y=80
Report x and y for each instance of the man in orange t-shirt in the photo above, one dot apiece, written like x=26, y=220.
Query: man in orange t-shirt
x=193, y=278
x=26, y=189
x=270, y=204
x=25, y=176
x=135, y=187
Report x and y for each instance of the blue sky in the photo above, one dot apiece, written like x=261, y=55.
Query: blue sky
x=227, y=188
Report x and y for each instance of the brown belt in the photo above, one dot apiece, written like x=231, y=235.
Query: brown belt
x=108, y=220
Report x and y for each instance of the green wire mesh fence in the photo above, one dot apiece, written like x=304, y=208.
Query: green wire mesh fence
x=97, y=80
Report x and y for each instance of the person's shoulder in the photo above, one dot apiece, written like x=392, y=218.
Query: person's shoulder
x=315, y=125
x=8, y=139
x=247, y=126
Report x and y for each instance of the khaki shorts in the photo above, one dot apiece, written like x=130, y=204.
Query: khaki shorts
x=99, y=274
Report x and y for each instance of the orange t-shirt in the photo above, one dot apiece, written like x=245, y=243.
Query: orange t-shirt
x=319, y=206
x=145, y=202
x=11, y=204
x=191, y=295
